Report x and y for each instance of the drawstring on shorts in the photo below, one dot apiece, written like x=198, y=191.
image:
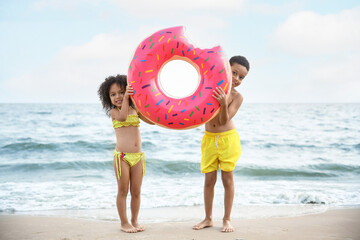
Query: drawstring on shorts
x=216, y=141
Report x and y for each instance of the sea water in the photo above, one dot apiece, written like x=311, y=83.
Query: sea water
x=58, y=157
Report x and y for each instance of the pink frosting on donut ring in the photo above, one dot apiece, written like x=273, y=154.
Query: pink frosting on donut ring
x=143, y=74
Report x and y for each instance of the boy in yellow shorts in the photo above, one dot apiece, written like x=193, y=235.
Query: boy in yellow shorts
x=221, y=146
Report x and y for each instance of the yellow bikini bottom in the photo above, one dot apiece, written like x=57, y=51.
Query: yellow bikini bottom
x=129, y=158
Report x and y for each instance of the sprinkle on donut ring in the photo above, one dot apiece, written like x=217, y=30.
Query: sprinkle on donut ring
x=188, y=112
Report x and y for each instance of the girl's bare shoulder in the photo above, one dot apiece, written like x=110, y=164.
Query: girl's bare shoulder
x=114, y=113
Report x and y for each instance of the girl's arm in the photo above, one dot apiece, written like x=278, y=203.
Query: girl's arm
x=227, y=112
x=144, y=118
x=123, y=113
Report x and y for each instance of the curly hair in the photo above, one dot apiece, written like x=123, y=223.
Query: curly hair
x=104, y=89
x=240, y=60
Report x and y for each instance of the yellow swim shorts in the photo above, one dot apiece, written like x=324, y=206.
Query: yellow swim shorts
x=129, y=158
x=220, y=148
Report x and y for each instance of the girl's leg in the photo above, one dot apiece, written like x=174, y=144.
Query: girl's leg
x=228, y=182
x=210, y=180
x=136, y=177
x=123, y=188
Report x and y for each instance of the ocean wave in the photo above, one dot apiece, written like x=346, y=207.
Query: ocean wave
x=290, y=145
x=339, y=168
x=311, y=199
x=8, y=210
x=307, y=147
x=148, y=145
x=56, y=166
x=153, y=166
x=344, y=147
x=158, y=166
x=29, y=146
x=302, y=197
x=321, y=170
x=256, y=171
x=41, y=113
x=76, y=146
x=162, y=167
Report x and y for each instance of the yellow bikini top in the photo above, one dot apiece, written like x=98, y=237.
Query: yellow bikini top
x=131, y=120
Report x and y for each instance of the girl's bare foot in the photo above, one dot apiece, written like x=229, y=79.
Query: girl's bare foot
x=138, y=227
x=126, y=227
x=227, y=226
x=204, y=224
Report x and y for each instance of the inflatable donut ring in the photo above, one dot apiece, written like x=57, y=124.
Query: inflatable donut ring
x=144, y=71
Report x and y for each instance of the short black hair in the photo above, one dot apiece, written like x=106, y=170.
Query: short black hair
x=104, y=89
x=240, y=60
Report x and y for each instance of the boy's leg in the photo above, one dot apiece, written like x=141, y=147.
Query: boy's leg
x=209, y=186
x=228, y=183
x=136, y=176
x=230, y=153
x=210, y=180
x=123, y=189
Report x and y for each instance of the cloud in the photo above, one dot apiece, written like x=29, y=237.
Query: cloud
x=160, y=8
x=329, y=80
x=336, y=79
x=201, y=17
x=76, y=72
x=327, y=53
x=55, y=4
x=267, y=9
x=145, y=8
x=67, y=5
x=308, y=33
x=206, y=31
x=323, y=80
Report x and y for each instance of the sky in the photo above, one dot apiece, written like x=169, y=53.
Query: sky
x=59, y=51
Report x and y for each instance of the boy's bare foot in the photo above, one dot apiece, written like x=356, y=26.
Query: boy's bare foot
x=204, y=224
x=227, y=226
x=138, y=227
x=128, y=228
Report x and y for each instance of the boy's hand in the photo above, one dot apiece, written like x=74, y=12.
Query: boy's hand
x=220, y=95
x=129, y=91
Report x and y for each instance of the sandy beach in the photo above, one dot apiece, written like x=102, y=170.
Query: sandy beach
x=332, y=224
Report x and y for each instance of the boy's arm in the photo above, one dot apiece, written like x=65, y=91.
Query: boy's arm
x=235, y=105
x=227, y=112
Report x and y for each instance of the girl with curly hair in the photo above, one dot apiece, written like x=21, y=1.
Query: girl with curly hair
x=129, y=161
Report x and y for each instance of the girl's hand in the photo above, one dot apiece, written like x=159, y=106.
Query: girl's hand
x=129, y=91
x=220, y=95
